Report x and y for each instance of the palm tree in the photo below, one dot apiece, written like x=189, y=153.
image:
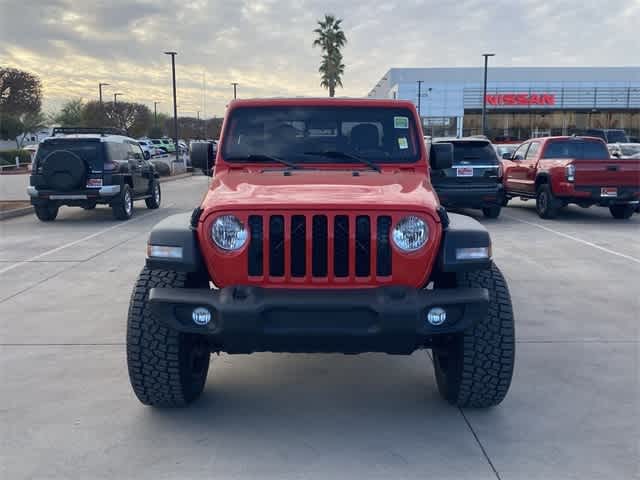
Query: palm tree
x=330, y=38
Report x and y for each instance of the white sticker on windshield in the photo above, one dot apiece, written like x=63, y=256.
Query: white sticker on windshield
x=401, y=122
x=403, y=144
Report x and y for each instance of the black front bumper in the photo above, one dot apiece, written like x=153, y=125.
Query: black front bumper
x=385, y=319
x=471, y=196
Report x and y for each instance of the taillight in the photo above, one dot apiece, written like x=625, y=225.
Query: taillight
x=570, y=172
x=94, y=182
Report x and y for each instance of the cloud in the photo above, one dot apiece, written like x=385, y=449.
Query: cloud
x=266, y=45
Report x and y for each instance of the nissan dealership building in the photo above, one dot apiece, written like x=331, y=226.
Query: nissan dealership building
x=522, y=102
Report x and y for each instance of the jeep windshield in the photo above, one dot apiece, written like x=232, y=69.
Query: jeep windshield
x=346, y=135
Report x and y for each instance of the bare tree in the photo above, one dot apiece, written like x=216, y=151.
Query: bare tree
x=134, y=118
x=70, y=115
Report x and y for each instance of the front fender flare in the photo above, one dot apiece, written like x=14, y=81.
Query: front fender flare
x=176, y=231
x=463, y=232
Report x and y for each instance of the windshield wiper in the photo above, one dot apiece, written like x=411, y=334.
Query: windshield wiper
x=260, y=157
x=339, y=154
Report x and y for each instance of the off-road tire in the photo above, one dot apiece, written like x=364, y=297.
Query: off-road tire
x=622, y=212
x=123, y=207
x=547, y=205
x=474, y=369
x=154, y=200
x=491, y=212
x=166, y=368
x=47, y=212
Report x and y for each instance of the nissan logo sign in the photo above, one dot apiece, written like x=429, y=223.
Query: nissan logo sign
x=521, y=99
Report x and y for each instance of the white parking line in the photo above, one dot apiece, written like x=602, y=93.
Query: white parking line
x=76, y=242
x=578, y=240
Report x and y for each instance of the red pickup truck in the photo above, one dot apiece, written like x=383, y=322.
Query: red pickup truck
x=557, y=171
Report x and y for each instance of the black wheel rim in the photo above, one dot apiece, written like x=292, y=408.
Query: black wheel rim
x=542, y=202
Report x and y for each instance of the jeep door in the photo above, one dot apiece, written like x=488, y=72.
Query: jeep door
x=138, y=167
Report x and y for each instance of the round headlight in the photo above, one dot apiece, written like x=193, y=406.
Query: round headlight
x=228, y=232
x=410, y=234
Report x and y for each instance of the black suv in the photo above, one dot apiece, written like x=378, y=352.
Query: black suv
x=609, y=135
x=83, y=167
x=474, y=180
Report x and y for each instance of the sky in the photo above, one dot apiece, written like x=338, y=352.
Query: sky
x=266, y=45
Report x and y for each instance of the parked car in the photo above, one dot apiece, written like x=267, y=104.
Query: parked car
x=168, y=144
x=505, y=150
x=557, y=171
x=609, y=135
x=624, y=150
x=84, y=167
x=475, y=178
x=324, y=242
x=148, y=148
x=158, y=144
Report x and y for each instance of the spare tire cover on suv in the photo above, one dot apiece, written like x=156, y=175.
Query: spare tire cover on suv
x=64, y=170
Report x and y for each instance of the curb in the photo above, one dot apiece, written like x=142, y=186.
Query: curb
x=17, y=212
x=176, y=177
x=20, y=212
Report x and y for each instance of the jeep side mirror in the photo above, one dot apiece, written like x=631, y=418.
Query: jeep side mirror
x=506, y=156
x=441, y=156
x=202, y=157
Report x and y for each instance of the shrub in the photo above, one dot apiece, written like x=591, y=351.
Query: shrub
x=8, y=157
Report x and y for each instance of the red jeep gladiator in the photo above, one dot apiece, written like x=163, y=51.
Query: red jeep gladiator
x=320, y=232
x=557, y=171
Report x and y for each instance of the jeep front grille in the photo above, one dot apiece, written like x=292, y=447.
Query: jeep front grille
x=319, y=246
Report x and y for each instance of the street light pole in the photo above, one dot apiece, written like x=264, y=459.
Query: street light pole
x=115, y=98
x=235, y=86
x=100, y=85
x=155, y=113
x=484, y=95
x=419, y=95
x=175, y=104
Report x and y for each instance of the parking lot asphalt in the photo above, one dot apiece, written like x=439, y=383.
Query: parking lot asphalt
x=67, y=410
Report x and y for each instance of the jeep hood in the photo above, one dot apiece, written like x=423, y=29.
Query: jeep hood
x=319, y=189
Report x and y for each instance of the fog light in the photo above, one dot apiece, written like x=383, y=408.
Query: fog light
x=436, y=316
x=201, y=316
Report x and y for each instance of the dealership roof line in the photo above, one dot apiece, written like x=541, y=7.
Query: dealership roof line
x=474, y=75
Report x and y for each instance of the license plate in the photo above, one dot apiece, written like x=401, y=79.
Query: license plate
x=464, y=171
x=68, y=197
x=608, y=192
